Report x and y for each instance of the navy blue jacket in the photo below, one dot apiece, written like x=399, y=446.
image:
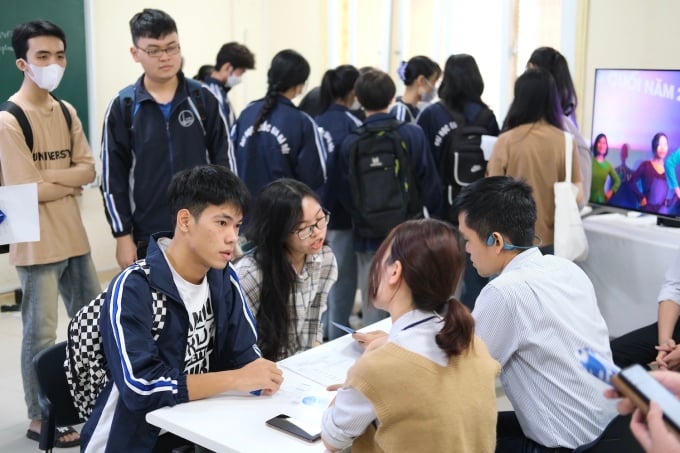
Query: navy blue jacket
x=403, y=111
x=145, y=374
x=336, y=123
x=220, y=90
x=437, y=123
x=137, y=167
x=422, y=165
x=286, y=145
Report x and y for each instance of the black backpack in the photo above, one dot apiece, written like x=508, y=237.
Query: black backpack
x=383, y=188
x=462, y=160
x=21, y=118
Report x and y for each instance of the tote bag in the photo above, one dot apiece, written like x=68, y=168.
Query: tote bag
x=570, y=238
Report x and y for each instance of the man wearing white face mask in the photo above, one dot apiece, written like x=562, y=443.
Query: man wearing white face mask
x=60, y=162
x=233, y=60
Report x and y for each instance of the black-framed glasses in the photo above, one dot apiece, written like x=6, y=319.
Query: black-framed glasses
x=156, y=52
x=308, y=231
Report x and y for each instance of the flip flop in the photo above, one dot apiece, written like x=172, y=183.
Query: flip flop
x=59, y=432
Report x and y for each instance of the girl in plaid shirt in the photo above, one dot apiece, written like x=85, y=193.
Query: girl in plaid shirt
x=288, y=272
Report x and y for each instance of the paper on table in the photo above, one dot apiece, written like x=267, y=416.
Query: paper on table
x=20, y=204
x=322, y=366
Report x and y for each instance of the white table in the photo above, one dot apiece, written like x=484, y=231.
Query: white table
x=236, y=423
x=627, y=262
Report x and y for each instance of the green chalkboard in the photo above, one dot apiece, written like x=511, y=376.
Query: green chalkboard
x=70, y=16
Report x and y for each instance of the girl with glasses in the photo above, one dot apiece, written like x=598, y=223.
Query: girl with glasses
x=288, y=272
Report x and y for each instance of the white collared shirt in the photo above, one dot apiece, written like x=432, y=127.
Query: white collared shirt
x=533, y=318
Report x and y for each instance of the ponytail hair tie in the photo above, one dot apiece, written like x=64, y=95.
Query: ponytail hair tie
x=401, y=71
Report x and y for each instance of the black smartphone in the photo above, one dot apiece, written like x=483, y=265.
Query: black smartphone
x=298, y=428
x=636, y=383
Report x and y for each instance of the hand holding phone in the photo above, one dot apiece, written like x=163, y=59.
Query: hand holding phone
x=297, y=428
x=636, y=384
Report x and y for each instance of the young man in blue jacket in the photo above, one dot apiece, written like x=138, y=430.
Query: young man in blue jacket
x=232, y=61
x=207, y=343
x=162, y=124
x=375, y=91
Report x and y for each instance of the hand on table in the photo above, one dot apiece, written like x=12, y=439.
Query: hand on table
x=371, y=340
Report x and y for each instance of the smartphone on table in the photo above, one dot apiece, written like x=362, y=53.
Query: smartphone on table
x=298, y=428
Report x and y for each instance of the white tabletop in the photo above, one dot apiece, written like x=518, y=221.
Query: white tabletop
x=236, y=422
x=627, y=262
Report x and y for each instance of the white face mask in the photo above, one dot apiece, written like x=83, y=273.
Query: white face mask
x=46, y=77
x=355, y=105
x=233, y=80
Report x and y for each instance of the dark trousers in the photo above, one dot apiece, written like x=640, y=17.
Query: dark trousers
x=511, y=439
x=638, y=346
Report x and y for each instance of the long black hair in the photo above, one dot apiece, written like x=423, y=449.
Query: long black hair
x=276, y=213
x=287, y=70
x=462, y=82
x=554, y=62
x=535, y=100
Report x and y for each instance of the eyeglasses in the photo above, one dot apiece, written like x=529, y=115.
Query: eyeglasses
x=156, y=52
x=308, y=231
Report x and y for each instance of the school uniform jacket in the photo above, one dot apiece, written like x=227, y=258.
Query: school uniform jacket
x=286, y=145
x=147, y=374
x=423, y=167
x=437, y=123
x=336, y=124
x=220, y=90
x=137, y=165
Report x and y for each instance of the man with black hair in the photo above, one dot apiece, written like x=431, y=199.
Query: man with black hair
x=60, y=162
x=232, y=61
x=375, y=91
x=534, y=316
x=162, y=124
x=207, y=343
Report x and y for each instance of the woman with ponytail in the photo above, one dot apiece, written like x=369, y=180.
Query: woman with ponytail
x=431, y=385
x=420, y=75
x=337, y=122
x=273, y=139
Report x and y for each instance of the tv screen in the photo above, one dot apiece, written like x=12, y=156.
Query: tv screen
x=635, y=140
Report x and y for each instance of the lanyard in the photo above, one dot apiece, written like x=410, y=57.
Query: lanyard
x=418, y=322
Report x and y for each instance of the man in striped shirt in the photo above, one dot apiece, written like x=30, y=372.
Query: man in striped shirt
x=533, y=316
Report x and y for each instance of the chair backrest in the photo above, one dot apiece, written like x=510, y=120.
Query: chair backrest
x=54, y=397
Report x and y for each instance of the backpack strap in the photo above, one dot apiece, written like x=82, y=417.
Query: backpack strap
x=196, y=92
x=21, y=118
x=126, y=99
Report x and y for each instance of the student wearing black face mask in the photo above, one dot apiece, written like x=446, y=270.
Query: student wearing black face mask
x=232, y=61
x=420, y=75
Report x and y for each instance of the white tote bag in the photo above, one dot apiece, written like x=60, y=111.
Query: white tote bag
x=570, y=238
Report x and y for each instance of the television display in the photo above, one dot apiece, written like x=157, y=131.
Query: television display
x=635, y=141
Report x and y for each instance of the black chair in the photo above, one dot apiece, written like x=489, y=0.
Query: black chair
x=616, y=438
x=54, y=397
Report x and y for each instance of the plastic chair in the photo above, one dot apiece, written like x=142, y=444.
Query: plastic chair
x=54, y=397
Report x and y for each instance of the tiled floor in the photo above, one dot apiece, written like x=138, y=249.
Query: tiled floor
x=13, y=419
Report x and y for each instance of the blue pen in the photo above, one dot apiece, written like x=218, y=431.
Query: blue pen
x=349, y=330
x=257, y=392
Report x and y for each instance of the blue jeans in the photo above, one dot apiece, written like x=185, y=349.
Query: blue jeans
x=342, y=294
x=370, y=314
x=76, y=280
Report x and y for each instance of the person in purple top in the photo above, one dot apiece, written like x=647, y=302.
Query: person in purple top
x=652, y=175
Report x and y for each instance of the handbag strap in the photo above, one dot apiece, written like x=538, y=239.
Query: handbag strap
x=567, y=155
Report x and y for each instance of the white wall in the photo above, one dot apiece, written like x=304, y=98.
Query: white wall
x=619, y=33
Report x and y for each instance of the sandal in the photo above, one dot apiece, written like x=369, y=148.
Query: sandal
x=59, y=432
